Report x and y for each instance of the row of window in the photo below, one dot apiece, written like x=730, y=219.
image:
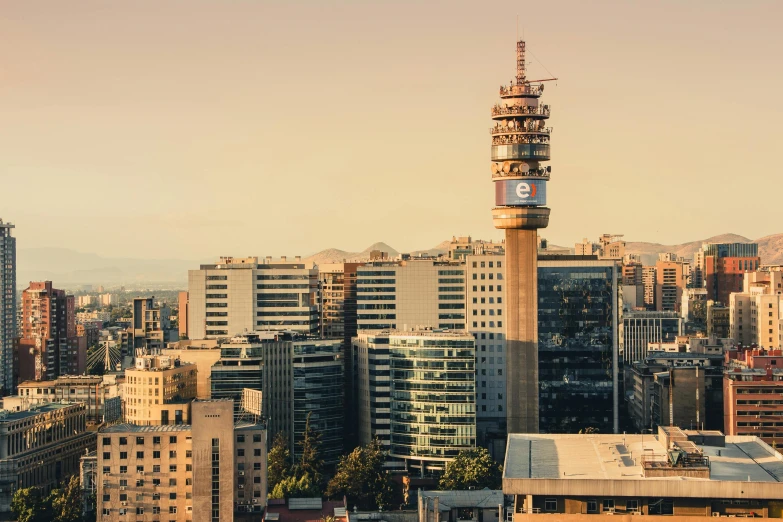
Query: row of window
x=123, y=441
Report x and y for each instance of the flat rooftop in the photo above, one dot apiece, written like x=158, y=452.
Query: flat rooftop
x=618, y=457
x=36, y=410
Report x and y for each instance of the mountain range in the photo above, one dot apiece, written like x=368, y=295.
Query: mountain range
x=68, y=267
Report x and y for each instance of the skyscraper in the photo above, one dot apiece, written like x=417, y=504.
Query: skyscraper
x=520, y=142
x=7, y=307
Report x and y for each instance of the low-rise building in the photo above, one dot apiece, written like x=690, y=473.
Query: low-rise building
x=451, y=506
x=41, y=447
x=158, y=391
x=95, y=391
x=210, y=470
x=676, y=473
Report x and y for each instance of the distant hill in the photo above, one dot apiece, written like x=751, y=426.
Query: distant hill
x=770, y=248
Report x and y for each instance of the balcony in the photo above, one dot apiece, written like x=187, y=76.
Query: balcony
x=524, y=89
x=530, y=130
x=541, y=111
x=521, y=137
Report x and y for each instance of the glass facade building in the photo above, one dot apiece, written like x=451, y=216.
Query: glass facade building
x=578, y=345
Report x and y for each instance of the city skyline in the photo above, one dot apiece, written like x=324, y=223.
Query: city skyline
x=220, y=130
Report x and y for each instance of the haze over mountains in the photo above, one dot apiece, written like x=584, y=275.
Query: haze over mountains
x=68, y=267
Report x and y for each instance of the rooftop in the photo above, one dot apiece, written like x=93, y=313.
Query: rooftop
x=134, y=428
x=299, y=510
x=620, y=457
x=418, y=333
x=35, y=410
x=480, y=498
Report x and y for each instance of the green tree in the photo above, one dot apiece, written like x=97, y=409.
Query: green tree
x=311, y=463
x=296, y=487
x=29, y=505
x=360, y=477
x=66, y=501
x=278, y=461
x=472, y=469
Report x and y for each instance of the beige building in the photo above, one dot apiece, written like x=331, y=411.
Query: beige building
x=100, y=395
x=204, y=353
x=241, y=295
x=756, y=314
x=41, y=447
x=209, y=471
x=158, y=391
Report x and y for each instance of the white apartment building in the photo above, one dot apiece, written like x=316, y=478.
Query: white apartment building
x=756, y=314
x=242, y=295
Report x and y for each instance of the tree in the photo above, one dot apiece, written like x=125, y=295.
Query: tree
x=472, y=469
x=293, y=487
x=28, y=505
x=311, y=463
x=67, y=501
x=361, y=478
x=278, y=461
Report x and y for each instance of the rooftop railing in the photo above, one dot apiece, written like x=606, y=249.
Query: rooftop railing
x=524, y=88
x=520, y=110
x=520, y=129
x=513, y=139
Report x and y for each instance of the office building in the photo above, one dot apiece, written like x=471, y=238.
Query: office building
x=578, y=344
x=723, y=265
x=242, y=295
x=680, y=473
x=753, y=394
x=7, y=307
x=485, y=316
x=718, y=320
x=694, y=308
x=49, y=346
x=756, y=313
x=206, y=471
x=240, y=366
x=159, y=390
x=40, y=447
x=416, y=392
x=100, y=395
x=410, y=293
x=520, y=143
x=642, y=327
x=649, y=278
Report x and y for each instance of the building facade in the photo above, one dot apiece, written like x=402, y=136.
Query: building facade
x=724, y=265
x=207, y=471
x=578, y=344
x=7, y=307
x=670, y=283
x=159, y=390
x=242, y=295
x=100, y=395
x=642, y=328
x=41, y=447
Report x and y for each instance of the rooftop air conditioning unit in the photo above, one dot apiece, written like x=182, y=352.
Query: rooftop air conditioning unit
x=123, y=488
x=124, y=503
x=255, y=501
x=241, y=473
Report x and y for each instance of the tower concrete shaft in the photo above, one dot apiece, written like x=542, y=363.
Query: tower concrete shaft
x=520, y=143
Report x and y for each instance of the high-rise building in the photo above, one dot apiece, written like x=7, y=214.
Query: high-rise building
x=578, y=344
x=40, y=447
x=7, y=307
x=159, y=390
x=49, y=346
x=242, y=295
x=151, y=325
x=670, y=282
x=520, y=143
x=642, y=328
x=723, y=266
x=411, y=293
x=209, y=470
x=756, y=313
x=649, y=277
x=417, y=395
x=182, y=315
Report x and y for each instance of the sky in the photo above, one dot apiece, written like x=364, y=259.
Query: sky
x=193, y=129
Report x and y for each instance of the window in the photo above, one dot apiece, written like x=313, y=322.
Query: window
x=172, y=509
x=257, y=466
x=139, y=483
x=123, y=469
x=173, y=454
x=156, y=454
x=156, y=440
x=139, y=469
x=188, y=453
x=107, y=441
x=123, y=441
x=608, y=504
x=139, y=454
x=140, y=440
x=139, y=510
x=173, y=468
x=256, y=438
x=632, y=505
x=240, y=452
x=240, y=438
x=257, y=480
x=106, y=498
x=106, y=469
x=257, y=452
x=106, y=455
x=124, y=455
x=156, y=510
x=172, y=482
x=550, y=504
x=173, y=439
x=156, y=468
x=172, y=496
x=592, y=506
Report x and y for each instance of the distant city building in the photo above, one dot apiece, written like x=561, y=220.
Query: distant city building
x=209, y=470
x=723, y=266
x=756, y=313
x=49, y=346
x=753, y=394
x=643, y=327
x=182, y=315
x=423, y=419
x=159, y=390
x=578, y=344
x=670, y=282
x=242, y=295
x=7, y=308
x=100, y=395
x=107, y=299
x=649, y=277
x=718, y=320
x=40, y=447
x=84, y=300
x=204, y=353
x=694, y=307
x=672, y=472
x=151, y=327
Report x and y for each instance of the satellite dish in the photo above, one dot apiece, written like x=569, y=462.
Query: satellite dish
x=524, y=167
x=494, y=168
x=506, y=167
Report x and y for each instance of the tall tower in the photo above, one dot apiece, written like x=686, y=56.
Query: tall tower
x=520, y=142
x=7, y=308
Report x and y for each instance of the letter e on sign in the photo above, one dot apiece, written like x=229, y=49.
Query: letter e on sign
x=526, y=190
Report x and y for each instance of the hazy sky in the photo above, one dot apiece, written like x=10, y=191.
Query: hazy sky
x=193, y=129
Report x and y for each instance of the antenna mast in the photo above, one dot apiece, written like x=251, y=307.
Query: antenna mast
x=520, y=62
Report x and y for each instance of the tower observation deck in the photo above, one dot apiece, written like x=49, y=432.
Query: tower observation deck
x=520, y=143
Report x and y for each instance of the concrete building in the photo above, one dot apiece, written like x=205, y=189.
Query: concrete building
x=204, y=353
x=40, y=447
x=151, y=327
x=642, y=328
x=241, y=295
x=49, y=346
x=452, y=506
x=756, y=313
x=718, y=320
x=678, y=473
x=159, y=390
x=182, y=315
x=578, y=344
x=485, y=316
x=670, y=283
x=99, y=394
x=423, y=426
x=723, y=266
x=694, y=308
x=752, y=394
x=7, y=308
x=210, y=470
x=520, y=143
x=411, y=293
x=649, y=277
